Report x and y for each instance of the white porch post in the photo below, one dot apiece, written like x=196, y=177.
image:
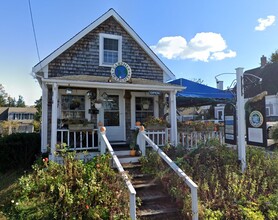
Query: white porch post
x=173, y=118
x=44, y=118
x=241, y=118
x=54, y=119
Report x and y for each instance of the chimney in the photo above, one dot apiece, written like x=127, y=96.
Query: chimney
x=219, y=85
x=263, y=61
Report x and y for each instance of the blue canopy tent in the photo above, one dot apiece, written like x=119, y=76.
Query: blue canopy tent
x=197, y=94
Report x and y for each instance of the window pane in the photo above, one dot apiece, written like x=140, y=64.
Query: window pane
x=110, y=57
x=111, y=111
x=144, y=108
x=73, y=106
x=110, y=44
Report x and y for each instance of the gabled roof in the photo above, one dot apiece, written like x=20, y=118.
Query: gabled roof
x=110, y=13
x=269, y=75
x=3, y=113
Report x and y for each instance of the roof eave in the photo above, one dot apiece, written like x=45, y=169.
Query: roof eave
x=125, y=86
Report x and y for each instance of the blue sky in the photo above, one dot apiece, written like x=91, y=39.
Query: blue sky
x=195, y=39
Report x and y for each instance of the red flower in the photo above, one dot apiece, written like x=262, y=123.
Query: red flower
x=87, y=206
x=45, y=160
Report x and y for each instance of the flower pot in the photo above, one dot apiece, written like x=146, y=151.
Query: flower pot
x=132, y=153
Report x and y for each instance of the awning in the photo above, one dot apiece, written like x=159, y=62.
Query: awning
x=197, y=94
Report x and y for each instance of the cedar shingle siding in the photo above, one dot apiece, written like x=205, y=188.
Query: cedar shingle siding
x=83, y=57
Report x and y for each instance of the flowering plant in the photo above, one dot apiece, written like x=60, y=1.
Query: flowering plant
x=151, y=121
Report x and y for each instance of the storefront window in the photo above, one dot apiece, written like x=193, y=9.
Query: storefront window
x=144, y=108
x=73, y=106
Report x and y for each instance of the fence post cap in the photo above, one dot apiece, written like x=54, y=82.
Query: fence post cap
x=142, y=128
x=102, y=129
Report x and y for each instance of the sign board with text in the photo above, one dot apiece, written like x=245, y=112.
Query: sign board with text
x=230, y=124
x=256, y=124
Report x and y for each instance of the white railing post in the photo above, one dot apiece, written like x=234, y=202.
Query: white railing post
x=102, y=143
x=194, y=203
x=132, y=192
x=132, y=206
x=140, y=141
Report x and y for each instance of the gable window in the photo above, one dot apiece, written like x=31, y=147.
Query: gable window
x=110, y=49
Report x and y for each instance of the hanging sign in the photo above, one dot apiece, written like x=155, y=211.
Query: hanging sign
x=121, y=72
x=230, y=124
x=255, y=123
x=153, y=92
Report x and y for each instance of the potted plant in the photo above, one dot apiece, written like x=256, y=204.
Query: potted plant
x=98, y=104
x=132, y=149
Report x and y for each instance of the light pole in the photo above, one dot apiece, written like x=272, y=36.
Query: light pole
x=241, y=146
x=240, y=118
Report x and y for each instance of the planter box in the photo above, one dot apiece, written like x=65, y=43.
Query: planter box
x=80, y=127
x=155, y=127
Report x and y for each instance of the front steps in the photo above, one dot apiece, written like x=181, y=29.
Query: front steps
x=155, y=202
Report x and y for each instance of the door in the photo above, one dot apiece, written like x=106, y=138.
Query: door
x=112, y=114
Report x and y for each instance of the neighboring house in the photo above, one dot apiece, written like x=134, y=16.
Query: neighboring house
x=19, y=119
x=106, y=73
x=268, y=72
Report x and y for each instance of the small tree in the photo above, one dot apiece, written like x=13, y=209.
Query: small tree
x=38, y=106
x=3, y=96
x=20, y=102
x=274, y=57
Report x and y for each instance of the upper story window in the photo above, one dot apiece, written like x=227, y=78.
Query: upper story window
x=110, y=49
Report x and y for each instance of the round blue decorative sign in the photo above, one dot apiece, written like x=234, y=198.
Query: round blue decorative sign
x=256, y=119
x=121, y=72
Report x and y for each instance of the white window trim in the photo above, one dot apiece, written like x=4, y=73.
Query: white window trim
x=110, y=36
x=132, y=103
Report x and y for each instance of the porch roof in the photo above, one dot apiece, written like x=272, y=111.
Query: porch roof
x=109, y=83
x=198, y=94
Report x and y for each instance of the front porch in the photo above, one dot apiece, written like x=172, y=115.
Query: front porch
x=73, y=107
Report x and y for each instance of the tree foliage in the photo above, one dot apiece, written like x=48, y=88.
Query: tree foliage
x=274, y=57
x=7, y=101
x=38, y=106
x=3, y=96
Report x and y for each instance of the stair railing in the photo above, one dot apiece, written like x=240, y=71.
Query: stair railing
x=142, y=138
x=104, y=143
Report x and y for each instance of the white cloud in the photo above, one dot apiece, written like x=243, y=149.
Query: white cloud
x=203, y=46
x=265, y=22
x=221, y=55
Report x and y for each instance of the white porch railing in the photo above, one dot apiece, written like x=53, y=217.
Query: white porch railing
x=78, y=139
x=160, y=137
x=104, y=143
x=189, y=140
x=142, y=138
x=193, y=139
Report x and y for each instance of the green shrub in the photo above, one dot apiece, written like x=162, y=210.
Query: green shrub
x=71, y=191
x=274, y=132
x=19, y=151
